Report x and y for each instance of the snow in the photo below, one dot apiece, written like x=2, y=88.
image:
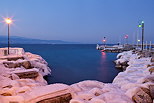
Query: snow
x=124, y=85
x=42, y=92
x=97, y=92
x=11, y=84
x=135, y=74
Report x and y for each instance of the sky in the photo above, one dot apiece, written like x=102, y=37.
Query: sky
x=83, y=21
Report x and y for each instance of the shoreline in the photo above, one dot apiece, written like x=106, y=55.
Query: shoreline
x=27, y=85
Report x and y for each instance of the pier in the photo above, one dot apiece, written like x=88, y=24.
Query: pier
x=126, y=47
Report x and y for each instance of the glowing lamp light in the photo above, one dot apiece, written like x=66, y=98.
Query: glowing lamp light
x=138, y=40
x=139, y=25
x=126, y=37
x=8, y=20
x=142, y=22
x=104, y=40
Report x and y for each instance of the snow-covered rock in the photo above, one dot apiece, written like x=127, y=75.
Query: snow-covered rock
x=137, y=74
x=98, y=92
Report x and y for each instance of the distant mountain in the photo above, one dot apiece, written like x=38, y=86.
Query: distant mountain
x=23, y=40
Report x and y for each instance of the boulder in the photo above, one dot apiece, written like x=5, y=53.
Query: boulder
x=147, y=54
x=29, y=74
x=149, y=78
x=8, y=86
x=6, y=94
x=151, y=69
x=149, y=65
x=118, y=66
x=26, y=64
x=59, y=99
x=152, y=59
x=15, y=58
x=122, y=65
x=142, y=96
x=14, y=76
x=151, y=88
x=12, y=58
x=11, y=64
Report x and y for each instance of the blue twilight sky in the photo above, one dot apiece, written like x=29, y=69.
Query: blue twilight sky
x=85, y=21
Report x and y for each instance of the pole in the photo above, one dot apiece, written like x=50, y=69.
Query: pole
x=104, y=41
x=137, y=40
x=146, y=46
x=8, y=39
x=142, y=34
x=150, y=46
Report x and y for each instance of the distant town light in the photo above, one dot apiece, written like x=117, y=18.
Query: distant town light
x=8, y=20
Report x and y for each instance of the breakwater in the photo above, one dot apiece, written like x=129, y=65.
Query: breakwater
x=136, y=80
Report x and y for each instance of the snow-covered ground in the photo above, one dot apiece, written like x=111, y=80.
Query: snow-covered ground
x=137, y=75
x=14, y=75
x=22, y=81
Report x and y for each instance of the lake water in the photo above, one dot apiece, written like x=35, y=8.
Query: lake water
x=74, y=63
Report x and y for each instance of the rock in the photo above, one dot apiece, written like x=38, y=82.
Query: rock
x=147, y=54
x=151, y=69
x=144, y=54
x=149, y=78
x=29, y=74
x=97, y=94
x=6, y=94
x=142, y=96
x=8, y=86
x=125, y=63
x=118, y=66
x=26, y=64
x=151, y=88
x=59, y=99
x=152, y=59
x=124, y=68
x=149, y=65
x=11, y=64
x=14, y=77
x=15, y=58
x=12, y=58
x=122, y=65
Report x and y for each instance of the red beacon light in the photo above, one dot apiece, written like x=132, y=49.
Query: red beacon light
x=104, y=40
x=126, y=37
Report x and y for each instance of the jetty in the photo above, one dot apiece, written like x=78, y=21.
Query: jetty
x=122, y=48
x=115, y=48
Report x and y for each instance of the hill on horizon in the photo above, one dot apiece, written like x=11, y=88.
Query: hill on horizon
x=23, y=40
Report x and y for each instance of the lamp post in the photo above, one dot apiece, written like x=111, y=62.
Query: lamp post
x=8, y=21
x=104, y=41
x=142, y=25
x=126, y=37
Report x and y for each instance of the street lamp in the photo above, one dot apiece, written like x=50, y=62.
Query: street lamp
x=8, y=21
x=126, y=37
x=142, y=25
x=104, y=41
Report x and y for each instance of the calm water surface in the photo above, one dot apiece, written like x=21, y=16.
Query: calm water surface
x=75, y=63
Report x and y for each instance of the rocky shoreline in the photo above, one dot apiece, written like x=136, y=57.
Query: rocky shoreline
x=21, y=81
x=137, y=79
